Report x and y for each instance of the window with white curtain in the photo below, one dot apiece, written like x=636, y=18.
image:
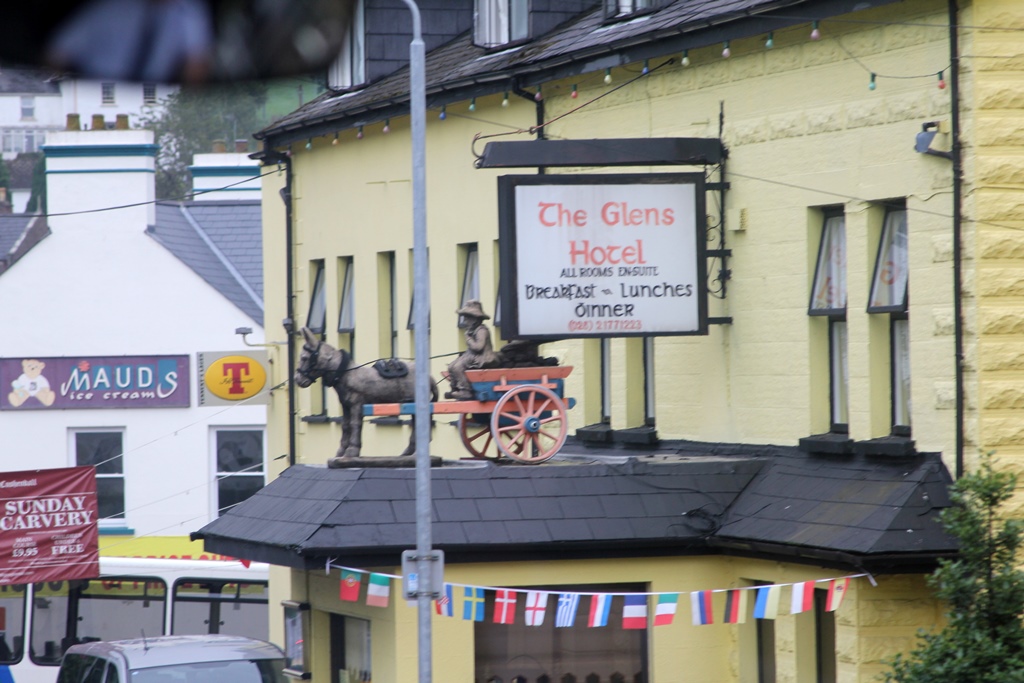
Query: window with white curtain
x=889, y=294
x=499, y=22
x=349, y=68
x=828, y=298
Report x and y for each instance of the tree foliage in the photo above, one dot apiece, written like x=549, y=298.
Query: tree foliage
x=189, y=120
x=983, y=639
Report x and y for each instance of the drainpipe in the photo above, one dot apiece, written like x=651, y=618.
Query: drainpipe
x=289, y=320
x=958, y=328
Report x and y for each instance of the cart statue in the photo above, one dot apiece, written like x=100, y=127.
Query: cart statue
x=517, y=412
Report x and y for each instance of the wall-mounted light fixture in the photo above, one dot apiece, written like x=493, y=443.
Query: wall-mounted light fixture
x=923, y=143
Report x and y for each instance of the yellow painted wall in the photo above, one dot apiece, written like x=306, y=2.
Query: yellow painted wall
x=803, y=131
x=873, y=623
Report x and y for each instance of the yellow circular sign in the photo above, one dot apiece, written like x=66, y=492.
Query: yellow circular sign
x=235, y=378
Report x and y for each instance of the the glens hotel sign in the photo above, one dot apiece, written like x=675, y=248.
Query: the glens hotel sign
x=602, y=255
x=94, y=382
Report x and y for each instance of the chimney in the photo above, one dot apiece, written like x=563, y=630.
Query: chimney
x=121, y=123
x=74, y=122
x=241, y=146
x=233, y=171
x=98, y=122
x=220, y=147
x=100, y=168
x=5, y=206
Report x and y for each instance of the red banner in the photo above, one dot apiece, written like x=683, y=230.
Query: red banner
x=48, y=525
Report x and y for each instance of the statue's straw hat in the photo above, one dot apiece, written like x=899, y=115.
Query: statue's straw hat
x=473, y=308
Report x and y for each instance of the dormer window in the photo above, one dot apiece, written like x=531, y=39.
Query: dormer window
x=621, y=9
x=349, y=69
x=500, y=22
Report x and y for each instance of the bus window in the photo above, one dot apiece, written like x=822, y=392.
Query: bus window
x=203, y=606
x=12, y=623
x=111, y=608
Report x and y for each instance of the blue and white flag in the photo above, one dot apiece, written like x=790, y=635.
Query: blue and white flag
x=565, y=617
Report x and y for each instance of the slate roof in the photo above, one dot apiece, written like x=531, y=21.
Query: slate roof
x=222, y=242
x=23, y=81
x=587, y=44
x=19, y=232
x=769, y=501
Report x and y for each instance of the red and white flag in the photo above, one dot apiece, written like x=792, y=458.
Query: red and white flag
x=803, y=597
x=536, y=605
x=505, y=607
x=836, y=593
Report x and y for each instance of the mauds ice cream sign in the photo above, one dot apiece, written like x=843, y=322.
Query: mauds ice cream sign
x=39, y=383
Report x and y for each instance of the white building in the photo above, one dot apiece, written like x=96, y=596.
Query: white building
x=113, y=308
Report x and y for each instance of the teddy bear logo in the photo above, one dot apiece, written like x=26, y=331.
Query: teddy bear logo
x=31, y=384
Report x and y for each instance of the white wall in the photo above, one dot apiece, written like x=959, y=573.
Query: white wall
x=100, y=286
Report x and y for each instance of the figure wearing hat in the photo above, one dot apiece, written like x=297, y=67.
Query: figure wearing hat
x=478, y=354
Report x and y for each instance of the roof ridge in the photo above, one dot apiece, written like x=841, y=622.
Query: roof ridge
x=220, y=256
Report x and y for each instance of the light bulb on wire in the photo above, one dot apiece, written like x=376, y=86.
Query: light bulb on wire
x=387, y=126
x=504, y=102
x=538, y=96
x=646, y=67
x=872, y=85
x=770, y=42
x=574, y=94
x=686, y=58
x=607, y=76
x=942, y=82
x=444, y=114
x=726, y=52
x=815, y=31
x=472, y=104
x=359, y=133
x=335, y=140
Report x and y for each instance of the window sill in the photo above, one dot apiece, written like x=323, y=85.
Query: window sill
x=390, y=420
x=643, y=436
x=831, y=443
x=316, y=419
x=892, y=446
x=116, y=531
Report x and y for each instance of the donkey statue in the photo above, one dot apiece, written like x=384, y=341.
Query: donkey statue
x=357, y=386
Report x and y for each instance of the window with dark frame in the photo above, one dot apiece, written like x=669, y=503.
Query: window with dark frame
x=316, y=318
x=828, y=299
x=500, y=22
x=824, y=638
x=347, y=310
x=510, y=651
x=620, y=9
x=104, y=451
x=890, y=295
x=350, y=649
x=149, y=93
x=470, y=278
x=107, y=93
x=239, y=464
x=349, y=69
x=28, y=107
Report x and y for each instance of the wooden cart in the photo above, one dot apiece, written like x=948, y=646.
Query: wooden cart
x=517, y=412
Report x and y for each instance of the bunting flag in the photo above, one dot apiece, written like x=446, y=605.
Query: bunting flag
x=665, y=610
x=836, y=593
x=378, y=590
x=443, y=605
x=473, y=606
x=634, y=612
x=766, y=605
x=505, y=607
x=735, y=606
x=803, y=597
x=536, y=606
x=350, y=582
x=700, y=604
x=565, y=617
x=600, y=606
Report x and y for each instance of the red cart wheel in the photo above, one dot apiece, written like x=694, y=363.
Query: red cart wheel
x=529, y=423
x=477, y=439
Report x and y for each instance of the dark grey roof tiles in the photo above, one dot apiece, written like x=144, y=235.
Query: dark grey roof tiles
x=221, y=241
x=768, y=500
x=12, y=231
x=23, y=81
x=585, y=44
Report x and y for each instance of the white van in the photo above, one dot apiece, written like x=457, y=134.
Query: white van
x=174, y=659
